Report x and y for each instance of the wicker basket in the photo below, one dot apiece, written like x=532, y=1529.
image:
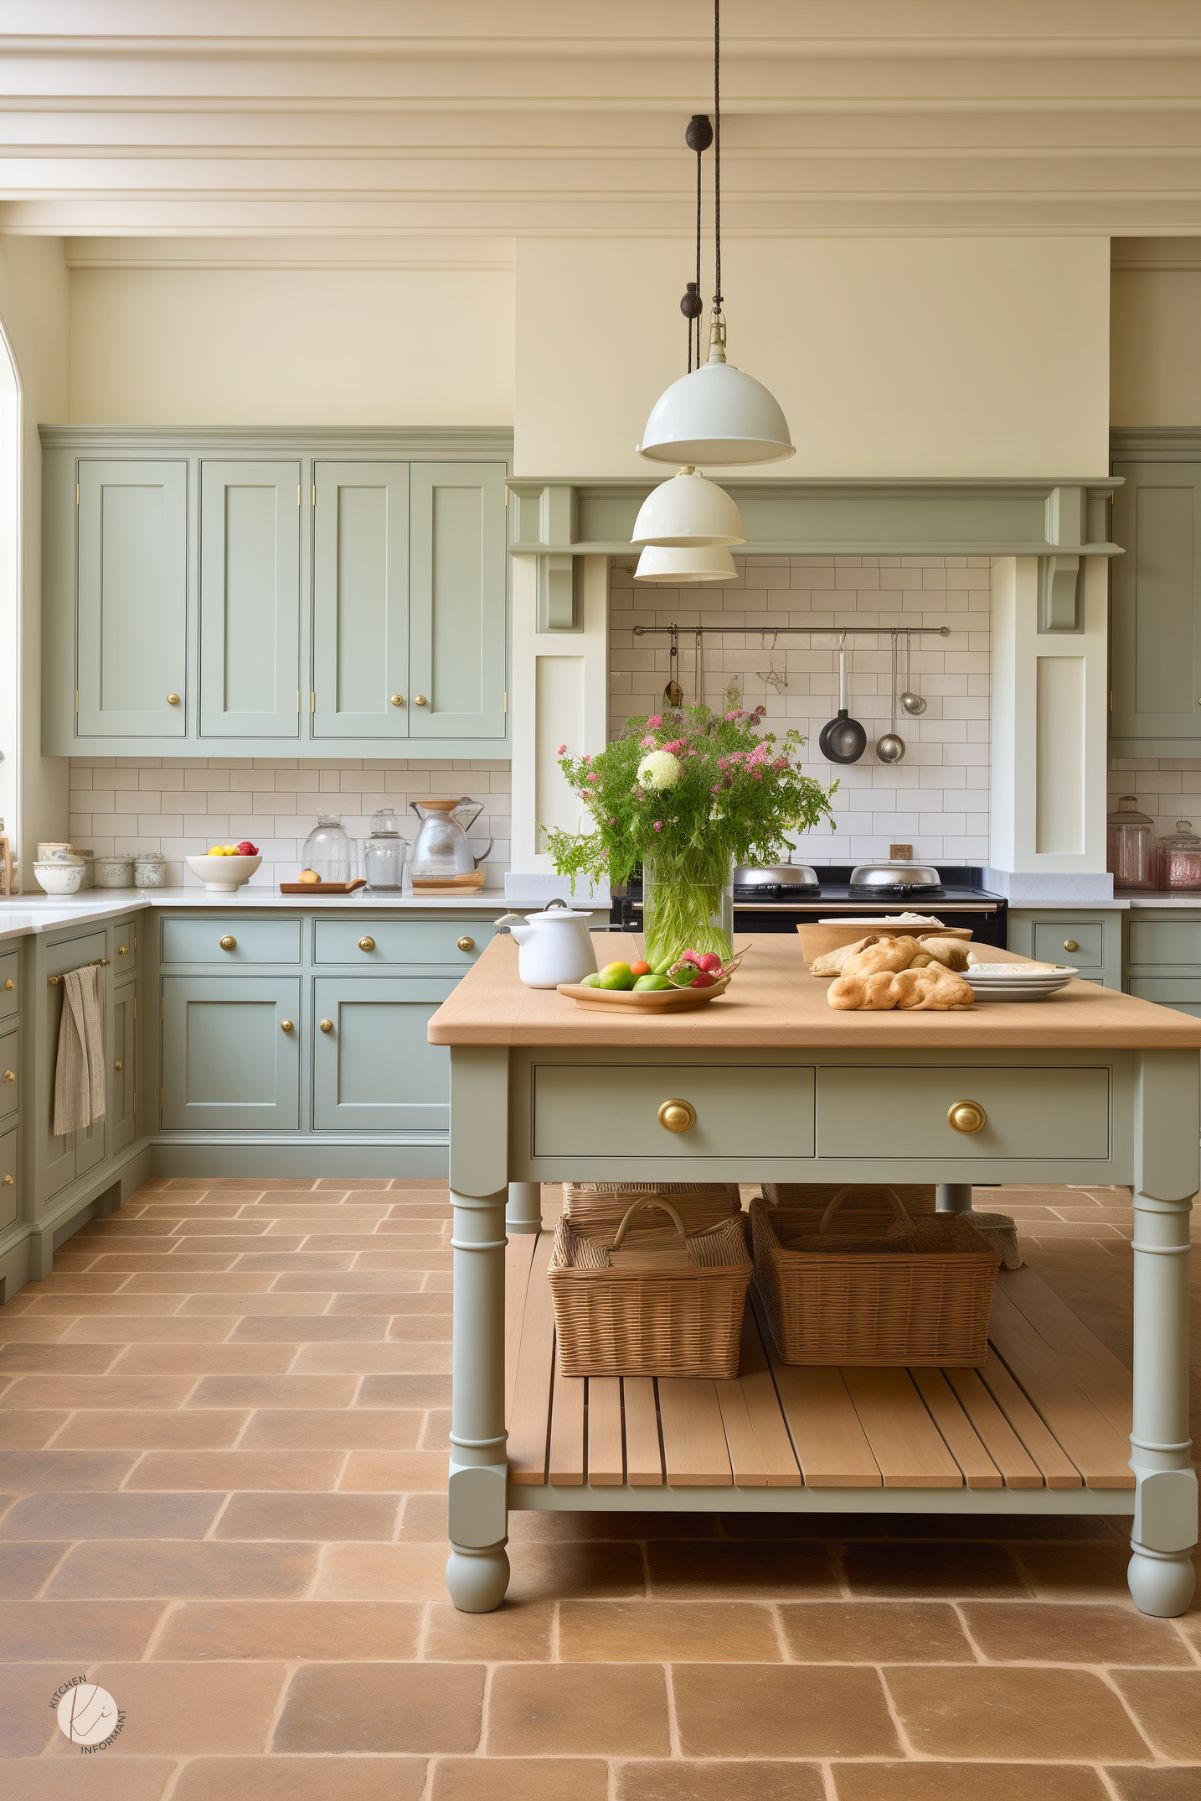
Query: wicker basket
x=655, y=1306
x=603, y=1205
x=919, y=1293
x=870, y=1208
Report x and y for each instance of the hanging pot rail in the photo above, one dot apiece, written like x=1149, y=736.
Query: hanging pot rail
x=803, y=631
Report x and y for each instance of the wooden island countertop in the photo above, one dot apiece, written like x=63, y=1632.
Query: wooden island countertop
x=774, y=1003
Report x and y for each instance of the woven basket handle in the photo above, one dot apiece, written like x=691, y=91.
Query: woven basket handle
x=647, y=1200
x=898, y=1204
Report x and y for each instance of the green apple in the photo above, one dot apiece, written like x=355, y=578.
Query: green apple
x=652, y=984
x=592, y=981
x=616, y=975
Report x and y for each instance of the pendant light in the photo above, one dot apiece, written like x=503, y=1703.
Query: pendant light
x=686, y=511
x=716, y=413
x=670, y=567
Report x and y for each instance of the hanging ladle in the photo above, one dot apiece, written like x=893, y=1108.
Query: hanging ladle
x=890, y=746
x=914, y=704
x=673, y=694
x=842, y=739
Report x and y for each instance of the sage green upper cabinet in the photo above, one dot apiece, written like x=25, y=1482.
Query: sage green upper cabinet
x=360, y=600
x=457, y=601
x=1156, y=608
x=250, y=600
x=132, y=574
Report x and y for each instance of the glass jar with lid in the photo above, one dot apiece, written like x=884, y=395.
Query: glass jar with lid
x=1177, y=862
x=327, y=850
x=384, y=852
x=1128, y=845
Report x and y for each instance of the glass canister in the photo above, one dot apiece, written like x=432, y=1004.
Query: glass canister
x=1177, y=862
x=384, y=852
x=1128, y=855
x=327, y=850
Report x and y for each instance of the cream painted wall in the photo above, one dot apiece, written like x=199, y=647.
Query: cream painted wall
x=1156, y=351
x=33, y=311
x=891, y=356
x=291, y=347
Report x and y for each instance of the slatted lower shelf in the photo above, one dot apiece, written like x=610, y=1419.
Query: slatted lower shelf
x=1043, y=1426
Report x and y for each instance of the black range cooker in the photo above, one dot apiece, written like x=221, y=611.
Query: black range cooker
x=792, y=894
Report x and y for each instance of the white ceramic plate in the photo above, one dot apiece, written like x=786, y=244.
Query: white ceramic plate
x=1014, y=994
x=1021, y=972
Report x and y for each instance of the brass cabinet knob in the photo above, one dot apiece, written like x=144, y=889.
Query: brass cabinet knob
x=123, y=950
x=677, y=1116
x=1069, y=944
x=967, y=1116
x=366, y=944
x=419, y=700
x=9, y=1181
x=118, y=1066
x=172, y=700
x=398, y=700
x=10, y=1075
x=327, y=1025
x=9, y=984
x=466, y=944
x=287, y=1025
x=228, y=942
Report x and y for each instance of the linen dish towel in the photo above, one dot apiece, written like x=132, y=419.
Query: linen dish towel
x=79, y=1071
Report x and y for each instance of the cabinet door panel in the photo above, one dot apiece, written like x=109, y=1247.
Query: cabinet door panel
x=132, y=596
x=457, y=640
x=374, y=1071
x=10, y=1177
x=228, y=1064
x=250, y=600
x=361, y=600
x=1157, y=602
x=122, y=1069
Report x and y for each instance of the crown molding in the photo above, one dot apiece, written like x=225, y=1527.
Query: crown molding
x=416, y=254
x=315, y=440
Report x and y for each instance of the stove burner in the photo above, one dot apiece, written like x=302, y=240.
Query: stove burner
x=895, y=892
x=777, y=891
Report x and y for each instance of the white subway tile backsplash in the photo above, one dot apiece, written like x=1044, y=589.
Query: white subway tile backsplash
x=180, y=806
x=938, y=798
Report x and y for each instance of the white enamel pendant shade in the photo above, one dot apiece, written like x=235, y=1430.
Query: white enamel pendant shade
x=672, y=567
x=686, y=511
x=718, y=414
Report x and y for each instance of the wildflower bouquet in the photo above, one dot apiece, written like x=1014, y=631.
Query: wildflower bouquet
x=687, y=794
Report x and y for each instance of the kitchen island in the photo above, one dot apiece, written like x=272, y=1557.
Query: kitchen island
x=1091, y=1087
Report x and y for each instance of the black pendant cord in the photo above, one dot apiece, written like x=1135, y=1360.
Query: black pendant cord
x=716, y=157
x=698, y=137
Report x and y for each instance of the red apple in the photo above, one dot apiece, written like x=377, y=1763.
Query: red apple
x=247, y=849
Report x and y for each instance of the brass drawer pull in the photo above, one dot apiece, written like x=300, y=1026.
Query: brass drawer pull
x=967, y=1116
x=9, y=1181
x=9, y=984
x=366, y=944
x=677, y=1116
x=172, y=700
x=466, y=944
x=228, y=942
x=118, y=1066
x=1070, y=944
x=327, y=1025
x=398, y=700
x=10, y=1075
x=419, y=700
x=287, y=1025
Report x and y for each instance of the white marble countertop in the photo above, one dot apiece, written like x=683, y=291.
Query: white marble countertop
x=1072, y=903
x=26, y=913
x=1163, y=900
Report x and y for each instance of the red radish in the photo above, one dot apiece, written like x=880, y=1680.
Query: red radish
x=709, y=961
x=691, y=957
x=703, y=980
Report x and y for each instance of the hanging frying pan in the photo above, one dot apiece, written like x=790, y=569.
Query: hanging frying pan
x=842, y=739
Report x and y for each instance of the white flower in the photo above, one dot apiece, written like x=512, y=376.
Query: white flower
x=659, y=769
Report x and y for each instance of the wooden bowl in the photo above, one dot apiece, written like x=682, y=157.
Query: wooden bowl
x=816, y=940
x=650, y=1000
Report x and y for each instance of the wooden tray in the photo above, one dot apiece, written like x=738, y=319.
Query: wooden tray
x=459, y=884
x=322, y=887
x=651, y=1000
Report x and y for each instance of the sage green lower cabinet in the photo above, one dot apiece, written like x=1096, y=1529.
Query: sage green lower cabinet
x=373, y=1070
x=1163, y=957
x=10, y=1167
x=231, y=1053
x=1091, y=941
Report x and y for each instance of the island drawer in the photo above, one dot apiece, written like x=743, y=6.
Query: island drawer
x=9, y=985
x=420, y=943
x=226, y=941
x=9, y=1086
x=1030, y=1114
x=607, y=1109
x=8, y=1177
x=1166, y=942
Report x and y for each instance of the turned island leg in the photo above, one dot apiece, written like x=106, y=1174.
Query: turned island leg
x=1165, y=1509
x=524, y=1211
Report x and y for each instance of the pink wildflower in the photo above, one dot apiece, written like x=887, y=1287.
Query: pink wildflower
x=654, y=720
x=650, y=742
x=562, y=748
x=594, y=779
x=587, y=757
x=780, y=763
x=736, y=713
x=613, y=819
x=674, y=745
x=658, y=825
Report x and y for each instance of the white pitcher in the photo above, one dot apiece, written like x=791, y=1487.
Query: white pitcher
x=554, y=947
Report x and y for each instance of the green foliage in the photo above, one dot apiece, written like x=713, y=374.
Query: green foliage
x=683, y=782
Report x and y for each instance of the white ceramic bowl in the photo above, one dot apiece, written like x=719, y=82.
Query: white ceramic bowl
x=222, y=875
x=55, y=851
x=58, y=877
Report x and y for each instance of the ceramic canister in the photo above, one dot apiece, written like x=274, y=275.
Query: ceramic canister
x=150, y=869
x=113, y=871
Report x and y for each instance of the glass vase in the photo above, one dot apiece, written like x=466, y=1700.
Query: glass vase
x=687, y=904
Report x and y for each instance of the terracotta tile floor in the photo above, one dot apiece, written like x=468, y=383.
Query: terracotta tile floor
x=222, y=1423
